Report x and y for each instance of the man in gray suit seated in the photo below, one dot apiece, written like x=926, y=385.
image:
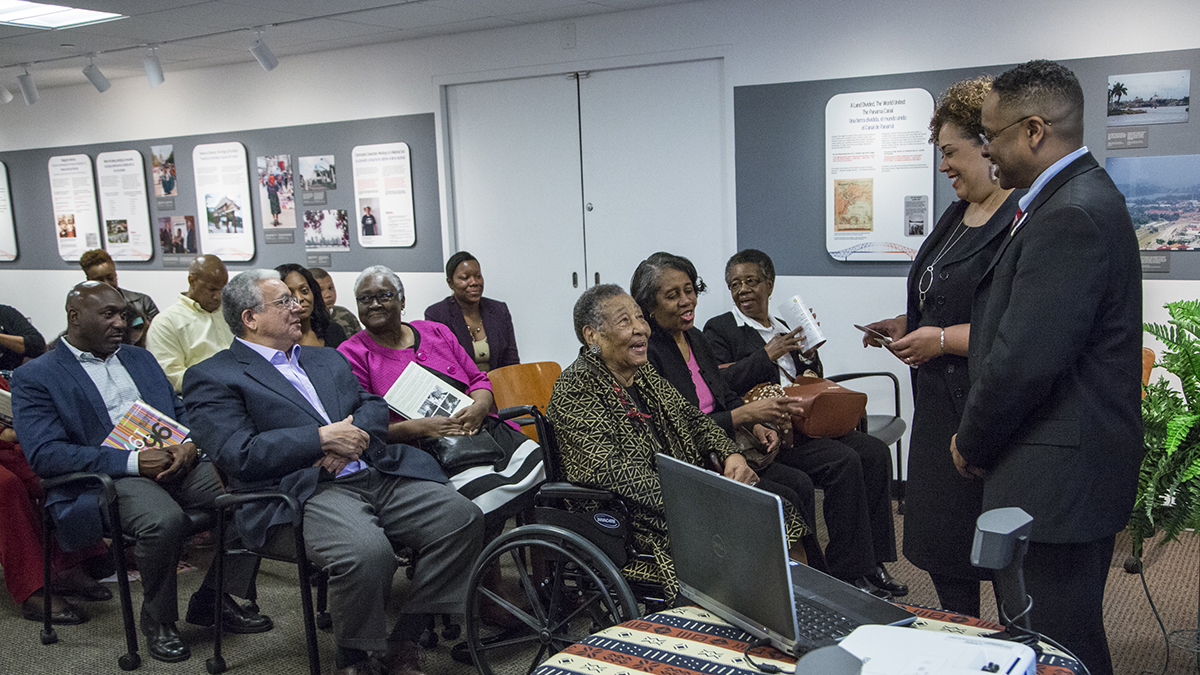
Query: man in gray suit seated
x=274, y=414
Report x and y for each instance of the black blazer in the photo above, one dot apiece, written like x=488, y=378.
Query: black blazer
x=666, y=359
x=1054, y=412
x=744, y=348
x=958, y=274
x=262, y=432
x=497, y=323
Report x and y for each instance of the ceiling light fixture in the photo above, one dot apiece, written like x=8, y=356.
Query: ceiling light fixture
x=154, y=71
x=50, y=17
x=5, y=94
x=93, y=74
x=262, y=53
x=28, y=88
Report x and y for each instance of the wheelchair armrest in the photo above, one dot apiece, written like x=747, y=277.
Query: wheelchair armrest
x=516, y=411
x=572, y=491
x=233, y=499
x=103, y=481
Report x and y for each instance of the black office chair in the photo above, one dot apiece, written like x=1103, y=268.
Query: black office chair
x=229, y=502
x=199, y=520
x=887, y=428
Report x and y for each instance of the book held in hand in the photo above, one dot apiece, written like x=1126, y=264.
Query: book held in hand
x=142, y=426
x=419, y=393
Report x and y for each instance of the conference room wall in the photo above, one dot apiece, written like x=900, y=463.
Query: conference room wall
x=760, y=41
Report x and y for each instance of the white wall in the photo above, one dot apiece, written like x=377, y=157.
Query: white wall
x=762, y=41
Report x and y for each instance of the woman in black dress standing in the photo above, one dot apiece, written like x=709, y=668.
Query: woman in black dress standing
x=932, y=337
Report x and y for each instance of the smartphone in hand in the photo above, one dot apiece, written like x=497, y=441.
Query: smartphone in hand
x=878, y=338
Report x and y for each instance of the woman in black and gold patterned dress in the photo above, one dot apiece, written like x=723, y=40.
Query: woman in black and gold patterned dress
x=612, y=412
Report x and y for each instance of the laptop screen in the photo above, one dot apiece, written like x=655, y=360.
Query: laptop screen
x=729, y=545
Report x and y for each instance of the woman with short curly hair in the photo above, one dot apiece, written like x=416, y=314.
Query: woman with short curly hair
x=932, y=336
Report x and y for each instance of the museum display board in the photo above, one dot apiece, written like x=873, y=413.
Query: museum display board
x=795, y=202
x=242, y=195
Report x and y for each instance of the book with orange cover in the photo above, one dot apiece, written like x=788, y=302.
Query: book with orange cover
x=143, y=426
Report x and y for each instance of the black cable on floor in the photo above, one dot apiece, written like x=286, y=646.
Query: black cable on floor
x=1166, y=641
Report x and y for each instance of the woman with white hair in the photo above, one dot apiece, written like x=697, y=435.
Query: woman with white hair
x=388, y=345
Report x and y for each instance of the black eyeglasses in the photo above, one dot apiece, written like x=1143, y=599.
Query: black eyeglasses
x=750, y=283
x=382, y=298
x=988, y=136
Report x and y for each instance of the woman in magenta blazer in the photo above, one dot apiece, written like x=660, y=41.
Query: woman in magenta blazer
x=387, y=345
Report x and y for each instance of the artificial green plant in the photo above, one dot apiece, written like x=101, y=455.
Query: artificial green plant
x=1168, y=496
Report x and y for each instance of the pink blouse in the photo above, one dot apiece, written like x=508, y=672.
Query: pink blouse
x=703, y=393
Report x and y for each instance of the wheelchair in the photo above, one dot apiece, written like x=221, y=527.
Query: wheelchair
x=567, y=563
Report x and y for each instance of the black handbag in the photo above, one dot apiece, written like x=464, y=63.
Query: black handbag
x=460, y=452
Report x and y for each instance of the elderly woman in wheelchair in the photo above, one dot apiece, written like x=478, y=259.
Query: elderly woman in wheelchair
x=612, y=412
x=598, y=549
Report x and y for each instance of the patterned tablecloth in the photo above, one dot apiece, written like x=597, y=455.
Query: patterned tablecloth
x=689, y=640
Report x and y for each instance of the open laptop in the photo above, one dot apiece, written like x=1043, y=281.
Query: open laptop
x=730, y=550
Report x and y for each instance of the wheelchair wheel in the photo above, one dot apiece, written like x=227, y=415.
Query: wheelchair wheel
x=566, y=589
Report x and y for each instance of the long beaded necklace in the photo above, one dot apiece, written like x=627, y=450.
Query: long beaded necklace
x=926, y=280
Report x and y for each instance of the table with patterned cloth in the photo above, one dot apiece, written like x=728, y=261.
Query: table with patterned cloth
x=688, y=640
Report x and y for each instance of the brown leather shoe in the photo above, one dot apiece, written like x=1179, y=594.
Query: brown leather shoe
x=404, y=658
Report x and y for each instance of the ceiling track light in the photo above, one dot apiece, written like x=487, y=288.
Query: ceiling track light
x=262, y=53
x=154, y=71
x=28, y=89
x=93, y=74
x=5, y=94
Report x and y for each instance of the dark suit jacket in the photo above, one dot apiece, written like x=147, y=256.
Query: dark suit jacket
x=1054, y=412
x=497, y=323
x=262, y=433
x=666, y=359
x=743, y=347
x=61, y=421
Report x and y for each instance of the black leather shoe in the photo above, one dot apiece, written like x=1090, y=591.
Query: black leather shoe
x=882, y=580
x=864, y=584
x=234, y=617
x=70, y=615
x=163, y=642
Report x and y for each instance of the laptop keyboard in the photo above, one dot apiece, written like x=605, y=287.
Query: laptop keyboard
x=819, y=625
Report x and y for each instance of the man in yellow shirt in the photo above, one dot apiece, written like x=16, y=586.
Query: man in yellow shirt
x=192, y=329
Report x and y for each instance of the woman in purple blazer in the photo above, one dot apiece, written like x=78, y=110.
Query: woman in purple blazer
x=483, y=326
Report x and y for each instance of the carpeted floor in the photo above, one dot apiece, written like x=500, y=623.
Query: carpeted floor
x=1172, y=573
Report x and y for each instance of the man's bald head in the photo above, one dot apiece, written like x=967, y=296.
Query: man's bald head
x=95, y=318
x=207, y=277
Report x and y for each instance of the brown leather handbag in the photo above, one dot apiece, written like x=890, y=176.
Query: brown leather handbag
x=827, y=409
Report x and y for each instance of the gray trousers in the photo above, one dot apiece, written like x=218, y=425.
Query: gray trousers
x=353, y=527
x=154, y=516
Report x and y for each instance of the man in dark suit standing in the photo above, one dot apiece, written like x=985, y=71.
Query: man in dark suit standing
x=275, y=414
x=1053, y=421
x=65, y=403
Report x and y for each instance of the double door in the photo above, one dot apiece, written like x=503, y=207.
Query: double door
x=561, y=182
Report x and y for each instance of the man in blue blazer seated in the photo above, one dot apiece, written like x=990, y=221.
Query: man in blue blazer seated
x=65, y=403
x=275, y=414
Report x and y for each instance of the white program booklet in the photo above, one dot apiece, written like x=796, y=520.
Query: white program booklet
x=420, y=393
x=5, y=408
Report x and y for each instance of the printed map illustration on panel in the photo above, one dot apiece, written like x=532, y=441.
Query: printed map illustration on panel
x=854, y=204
